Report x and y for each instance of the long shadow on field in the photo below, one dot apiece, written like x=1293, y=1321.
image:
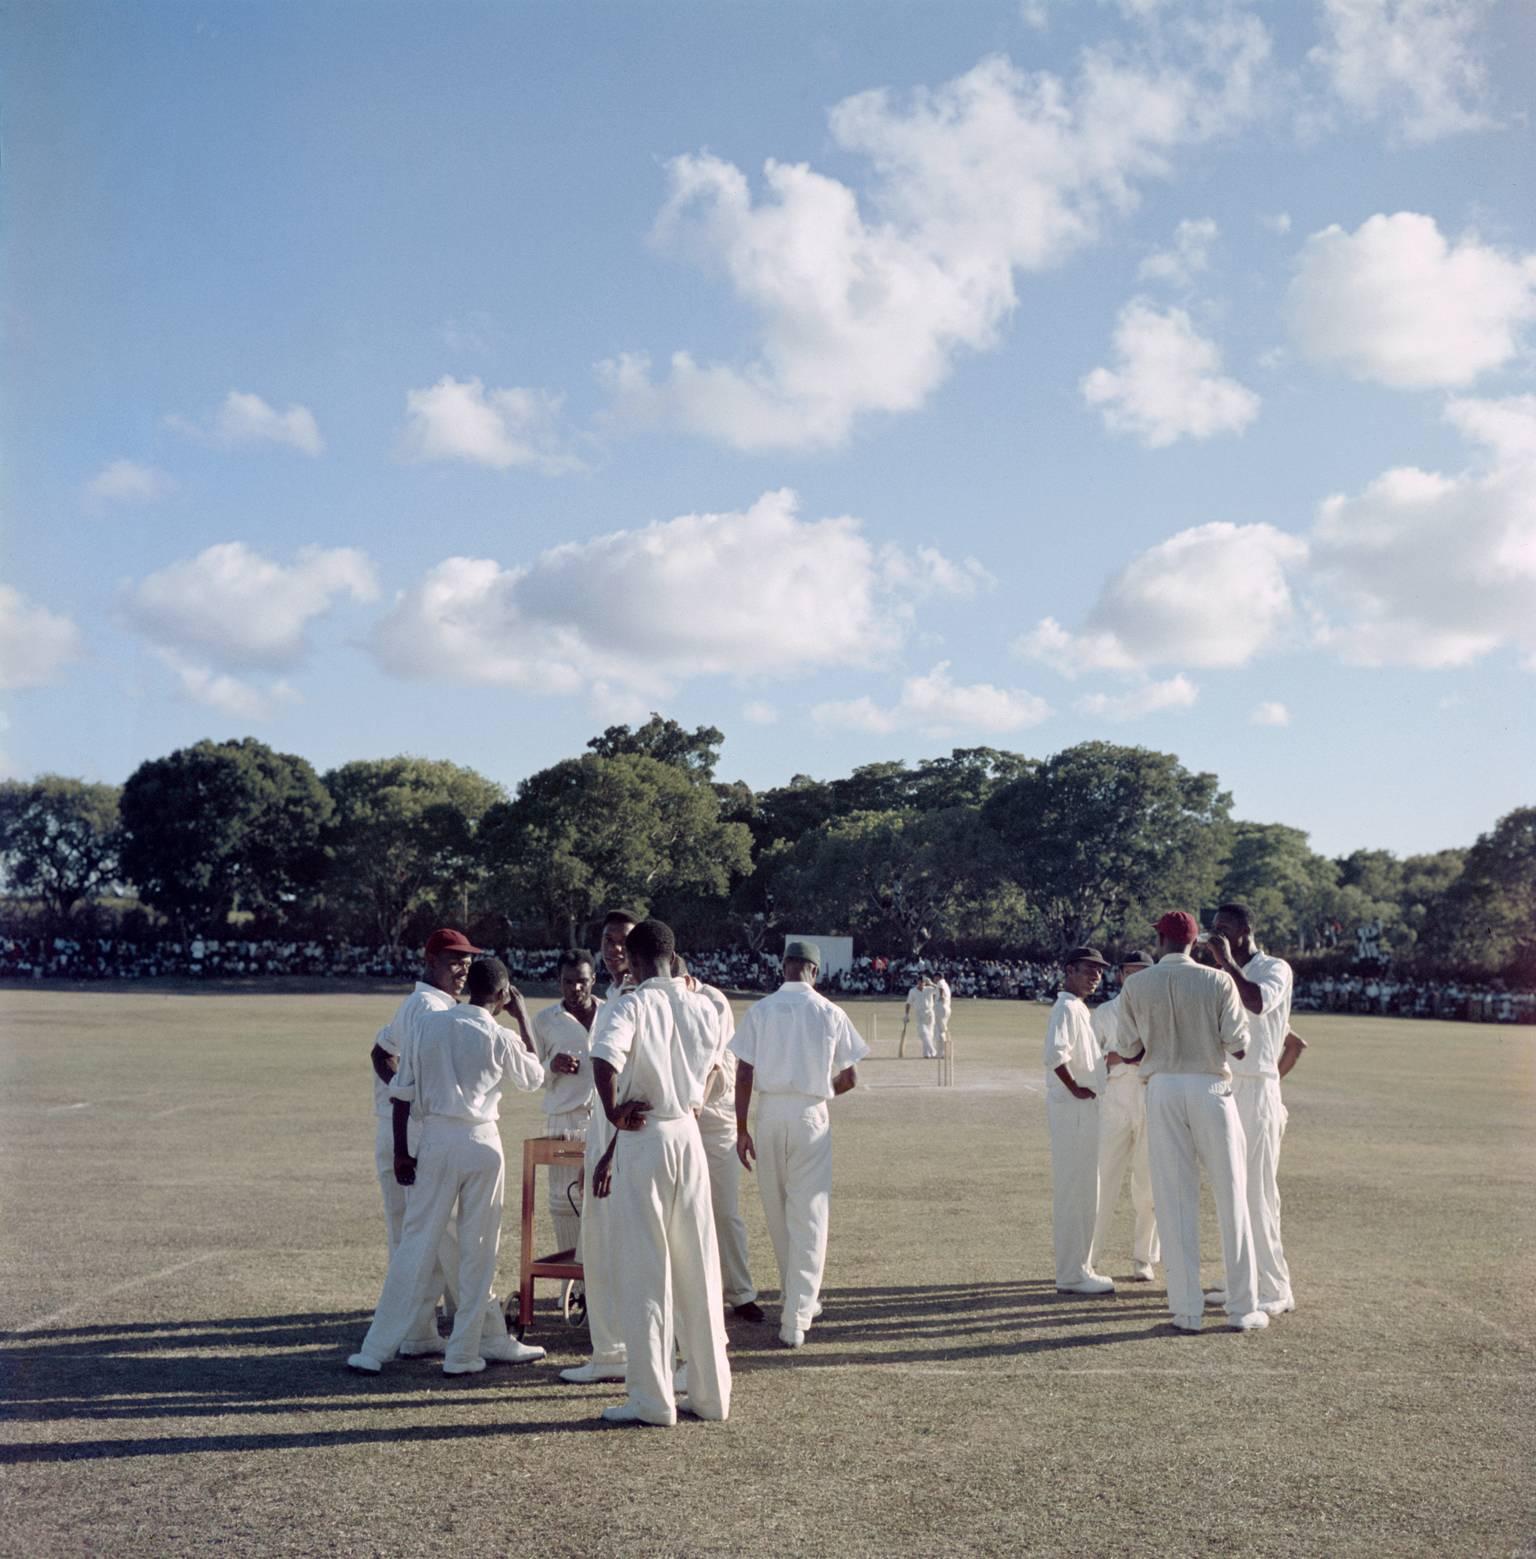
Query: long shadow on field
x=947, y=1323
x=288, y=1366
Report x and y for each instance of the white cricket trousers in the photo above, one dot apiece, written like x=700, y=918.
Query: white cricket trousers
x=446, y=1281
x=1122, y=1144
x=718, y=1133
x=599, y=1258
x=1263, y=1114
x=928, y=1033
x=1192, y=1125
x=1074, y=1127
x=794, y=1174
x=665, y=1237
x=459, y=1162
x=565, y=1194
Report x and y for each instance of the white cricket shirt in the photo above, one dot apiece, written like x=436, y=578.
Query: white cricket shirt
x=796, y=1041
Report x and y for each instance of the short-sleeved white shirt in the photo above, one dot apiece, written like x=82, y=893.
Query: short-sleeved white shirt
x=720, y=1086
x=796, y=1041
x=1266, y=1028
x=458, y=1064
x=556, y=1032
x=1069, y=1040
x=661, y=1039
x=393, y=1036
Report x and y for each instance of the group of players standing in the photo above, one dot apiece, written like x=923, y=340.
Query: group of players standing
x=658, y=1083
x=1179, y=1073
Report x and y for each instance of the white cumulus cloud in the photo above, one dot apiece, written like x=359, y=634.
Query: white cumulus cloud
x=734, y=594
x=1398, y=304
x=1213, y=596
x=1414, y=63
x=759, y=713
x=1167, y=382
x=461, y=420
x=35, y=643
x=864, y=301
x=1269, y=713
x=935, y=704
x=1177, y=692
x=238, y=608
x=1427, y=569
x=127, y=481
x=233, y=696
x=244, y=419
x=1185, y=258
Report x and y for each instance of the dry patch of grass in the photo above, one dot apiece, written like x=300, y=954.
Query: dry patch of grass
x=193, y=1243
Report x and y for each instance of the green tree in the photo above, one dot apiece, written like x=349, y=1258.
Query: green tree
x=789, y=812
x=592, y=832
x=403, y=835
x=221, y=823
x=1289, y=889
x=1103, y=836
x=967, y=777
x=696, y=751
x=58, y=839
x=911, y=876
x=1491, y=907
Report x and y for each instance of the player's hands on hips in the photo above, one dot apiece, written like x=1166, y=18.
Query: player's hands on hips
x=1084, y=1094
x=746, y=1149
x=630, y=1116
x=567, y=1066
x=405, y=1169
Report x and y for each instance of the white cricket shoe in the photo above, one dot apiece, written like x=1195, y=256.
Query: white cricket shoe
x=508, y=1350
x=365, y=1363
x=1186, y=1323
x=463, y=1366
x=1092, y=1284
x=590, y=1373
x=1253, y=1321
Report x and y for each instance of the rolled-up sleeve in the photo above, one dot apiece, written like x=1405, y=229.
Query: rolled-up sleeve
x=1058, y=1038
x=521, y=1065
x=1274, y=983
x=1128, y=1041
x=849, y=1048
x=743, y=1043
x=617, y=1038
x=1234, y=1019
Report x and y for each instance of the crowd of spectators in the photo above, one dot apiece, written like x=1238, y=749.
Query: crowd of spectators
x=736, y=969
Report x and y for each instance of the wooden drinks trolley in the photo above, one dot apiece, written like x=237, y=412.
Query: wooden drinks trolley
x=562, y=1266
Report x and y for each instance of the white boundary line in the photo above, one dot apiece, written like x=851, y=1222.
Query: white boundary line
x=117, y=1288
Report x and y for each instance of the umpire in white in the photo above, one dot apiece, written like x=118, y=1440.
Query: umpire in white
x=798, y=1051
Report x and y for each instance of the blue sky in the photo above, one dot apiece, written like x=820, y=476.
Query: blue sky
x=866, y=380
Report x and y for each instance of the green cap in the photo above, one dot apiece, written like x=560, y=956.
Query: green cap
x=806, y=952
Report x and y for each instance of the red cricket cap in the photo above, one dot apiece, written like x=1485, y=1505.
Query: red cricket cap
x=1178, y=925
x=450, y=941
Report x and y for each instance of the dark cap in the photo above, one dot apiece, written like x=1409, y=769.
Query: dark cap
x=1135, y=956
x=1178, y=925
x=450, y=941
x=806, y=952
x=1084, y=955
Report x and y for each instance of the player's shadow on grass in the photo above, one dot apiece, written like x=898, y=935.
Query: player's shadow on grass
x=145, y=1371
x=945, y=1323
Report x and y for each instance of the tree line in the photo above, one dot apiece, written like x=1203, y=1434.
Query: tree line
x=982, y=850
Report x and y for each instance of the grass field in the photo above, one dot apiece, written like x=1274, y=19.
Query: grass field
x=193, y=1243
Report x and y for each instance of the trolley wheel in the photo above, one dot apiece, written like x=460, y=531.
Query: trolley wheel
x=509, y=1315
x=573, y=1304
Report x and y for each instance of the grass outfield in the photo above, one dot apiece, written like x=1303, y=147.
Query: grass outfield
x=193, y=1243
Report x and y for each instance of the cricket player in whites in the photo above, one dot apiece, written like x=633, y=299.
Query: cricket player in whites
x=561, y=1032
x=717, y=1128
x=455, y=1070
x=1074, y=1074
x=1264, y=988
x=443, y=973
x=922, y=1004
x=601, y=1276
x=798, y=1051
x=1187, y=1020
x=1123, y=1136
x=649, y=1065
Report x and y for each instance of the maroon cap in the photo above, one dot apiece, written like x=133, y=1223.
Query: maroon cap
x=450, y=941
x=1178, y=925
